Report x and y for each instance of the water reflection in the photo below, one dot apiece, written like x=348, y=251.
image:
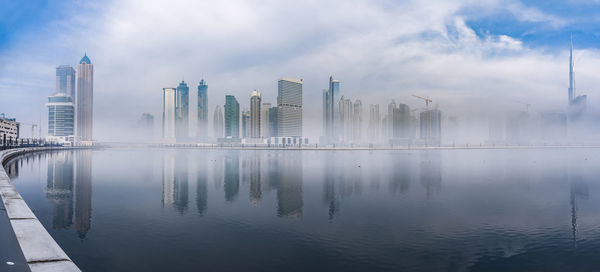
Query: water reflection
x=431, y=172
x=175, y=181
x=289, y=185
x=83, y=192
x=59, y=189
x=232, y=176
x=201, y=186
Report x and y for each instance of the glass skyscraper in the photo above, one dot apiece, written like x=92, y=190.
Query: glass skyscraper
x=65, y=80
x=289, y=104
x=202, y=109
x=232, y=117
x=331, y=112
x=61, y=115
x=182, y=111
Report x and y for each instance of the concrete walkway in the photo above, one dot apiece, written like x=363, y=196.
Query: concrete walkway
x=40, y=250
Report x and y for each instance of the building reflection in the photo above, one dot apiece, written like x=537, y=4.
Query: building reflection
x=83, y=191
x=329, y=176
x=232, y=176
x=201, y=187
x=400, y=177
x=289, y=184
x=254, y=174
x=175, y=181
x=431, y=172
x=59, y=188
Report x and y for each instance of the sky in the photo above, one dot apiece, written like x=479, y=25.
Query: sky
x=470, y=57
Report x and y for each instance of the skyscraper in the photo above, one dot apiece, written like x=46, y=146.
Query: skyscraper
x=346, y=118
x=218, y=122
x=289, y=104
x=401, y=128
x=374, y=123
x=246, y=133
x=232, y=117
x=431, y=126
x=331, y=113
x=202, y=109
x=85, y=99
x=273, y=124
x=61, y=115
x=577, y=103
x=358, y=120
x=255, y=114
x=182, y=111
x=65, y=80
x=264, y=120
x=169, y=105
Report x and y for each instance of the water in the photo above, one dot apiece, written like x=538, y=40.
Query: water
x=227, y=210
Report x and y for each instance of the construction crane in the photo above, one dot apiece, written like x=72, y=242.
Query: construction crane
x=427, y=100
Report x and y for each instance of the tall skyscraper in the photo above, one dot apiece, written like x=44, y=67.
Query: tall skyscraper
x=65, y=80
x=346, y=117
x=264, y=120
x=273, y=123
x=374, y=123
x=358, y=121
x=246, y=124
x=169, y=105
x=255, y=114
x=577, y=103
x=401, y=128
x=331, y=112
x=232, y=117
x=390, y=119
x=431, y=126
x=85, y=99
x=202, y=109
x=218, y=122
x=289, y=104
x=61, y=115
x=182, y=112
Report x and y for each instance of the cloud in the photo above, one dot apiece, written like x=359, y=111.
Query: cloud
x=380, y=50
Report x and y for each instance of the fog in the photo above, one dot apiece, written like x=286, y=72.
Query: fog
x=482, y=81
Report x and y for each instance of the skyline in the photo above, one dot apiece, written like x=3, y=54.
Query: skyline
x=447, y=57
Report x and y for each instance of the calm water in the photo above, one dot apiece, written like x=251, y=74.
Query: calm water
x=201, y=210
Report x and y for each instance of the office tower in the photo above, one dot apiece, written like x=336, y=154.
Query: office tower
x=264, y=120
x=246, y=124
x=255, y=114
x=577, y=103
x=65, y=80
x=346, y=117
x=374, y=123
x=358, y=120
x=218, y=122
x=169, y=105
x=273, y=123
x=331, y=117
x=202, y=109
x=182, y=106
x=390, y=119
x=232, y=117
x=431, y=125
x=61, y=115
x=85, y=99
x=289, y=104
x=401, y=128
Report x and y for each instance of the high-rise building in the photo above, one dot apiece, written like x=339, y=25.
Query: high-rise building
x=182, y=112
x=289, y=104
x=255, y=114
x=577, y=103
x=202, y=109
x=218, y=122
x=168, y=116
x=85, y=99
x=264, y=120
x=357, y=121
x=61, y=115
x=431, y=126
x=346, y=117
x=390, y=119
x=246, y=126
x=401, y=128
x=374, y=123
x=65, y=80
x=232, y=117
x=331, y=116
x=273, y=123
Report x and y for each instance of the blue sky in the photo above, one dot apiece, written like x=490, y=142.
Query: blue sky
x=460, y=52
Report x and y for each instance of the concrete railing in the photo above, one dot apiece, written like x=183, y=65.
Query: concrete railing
x=41, y=252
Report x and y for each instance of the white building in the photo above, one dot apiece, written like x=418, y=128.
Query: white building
x=168, y=125
x=9, y=128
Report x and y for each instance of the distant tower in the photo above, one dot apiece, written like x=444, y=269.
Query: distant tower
x=571, y=79
x=202, y=109
x=374, y=123
x=255, y=114
x=289, y=104
x=85, y=99
x=331, y=115
x=577, y=103
x=182, y=111
x=168, y=125
x=358, y=120
x=65, y=80
x=265, y=120
x=218, y=122
x=232, y=117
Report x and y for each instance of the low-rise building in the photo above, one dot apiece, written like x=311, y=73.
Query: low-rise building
x=9, y=128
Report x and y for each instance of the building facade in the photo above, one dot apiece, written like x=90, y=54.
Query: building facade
x=218, y=122
x=85, y=100
x=202, y=131
x=232, y=117
x=182, y=112
x=65, y=80
x=273, y=124
x=289, y=104
x=331, y=116
x=431, y=126
x=9, y=128
x=246, y=126
x=264, y=120
x=374, y=123
x=61, y=115
x=255, y=114
x=168, y=116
